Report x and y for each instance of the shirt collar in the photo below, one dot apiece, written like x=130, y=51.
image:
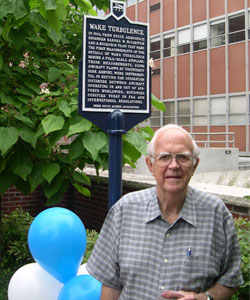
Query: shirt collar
x=153, y=210
x=187, y=213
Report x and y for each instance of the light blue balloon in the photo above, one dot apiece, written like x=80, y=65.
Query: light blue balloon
x=83, y=287
x=57, y=242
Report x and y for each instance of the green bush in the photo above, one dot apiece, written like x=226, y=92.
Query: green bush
x=243, y=228
x=14, y=239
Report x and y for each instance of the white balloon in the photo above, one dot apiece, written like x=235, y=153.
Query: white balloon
x=82, y=270
x=31, y=282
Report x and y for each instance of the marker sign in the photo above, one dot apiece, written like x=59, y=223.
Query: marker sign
x=115, y=67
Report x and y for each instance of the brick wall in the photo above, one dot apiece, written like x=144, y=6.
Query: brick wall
x=92, y=211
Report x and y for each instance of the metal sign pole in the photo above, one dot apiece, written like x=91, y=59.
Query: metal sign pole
x=117, y=128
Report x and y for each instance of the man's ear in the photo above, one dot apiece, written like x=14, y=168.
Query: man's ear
x=150, y=165
x=196, y=164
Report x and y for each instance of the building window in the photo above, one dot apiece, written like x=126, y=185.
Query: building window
x=155, y=119
x=217, y=33
x=156, y=72
x=237, y=110
x=200, y=37
x=155, y=7
x=183, y=45
x=169, y=113
x=218, y=111
x=249, y=25
x=168, y=45
x=200, y=112
x=236, y=28
x=184, y=112
x=155, y=49
x=131, y=2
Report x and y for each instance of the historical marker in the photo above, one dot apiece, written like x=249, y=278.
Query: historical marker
x=115, y=65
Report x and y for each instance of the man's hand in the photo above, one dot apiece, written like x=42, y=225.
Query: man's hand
x=181, y=295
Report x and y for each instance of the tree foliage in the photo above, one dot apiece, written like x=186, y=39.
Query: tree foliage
x=40, y=46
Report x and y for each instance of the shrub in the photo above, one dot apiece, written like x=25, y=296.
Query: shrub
x=14, y=241
x=243, y=228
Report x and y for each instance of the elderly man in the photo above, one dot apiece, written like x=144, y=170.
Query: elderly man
x=170, y=241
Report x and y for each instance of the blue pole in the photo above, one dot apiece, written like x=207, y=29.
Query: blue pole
x=117, y=128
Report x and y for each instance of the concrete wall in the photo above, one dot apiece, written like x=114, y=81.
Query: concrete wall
x=211, y=160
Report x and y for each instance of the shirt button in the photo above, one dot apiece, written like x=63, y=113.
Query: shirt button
x=168, y=235
x=165, y=260
x=162, y=287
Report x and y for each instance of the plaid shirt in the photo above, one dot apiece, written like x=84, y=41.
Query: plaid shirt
x=141, y=254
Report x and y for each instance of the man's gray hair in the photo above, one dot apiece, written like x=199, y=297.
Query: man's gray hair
x=151, y=144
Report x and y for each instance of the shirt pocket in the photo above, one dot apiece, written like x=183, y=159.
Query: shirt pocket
x=199, y=272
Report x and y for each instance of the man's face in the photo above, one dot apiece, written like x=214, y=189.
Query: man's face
x=175, y=177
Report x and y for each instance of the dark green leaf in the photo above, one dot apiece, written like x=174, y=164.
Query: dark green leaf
x=53, y=74
x=57, y=197
x=21, y=164
x=28, y=136
x=94, y=142
x=50, y=171
x=52, y=188
x=84, y=191
x=35, y=176
x=8, y=137
x=136, y=139
x=76, y=149
x=81, y=177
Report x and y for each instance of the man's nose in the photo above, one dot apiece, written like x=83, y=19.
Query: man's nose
x=174, y=163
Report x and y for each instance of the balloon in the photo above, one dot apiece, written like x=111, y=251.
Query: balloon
x=31, y=282
x=83, y=287
x=57, y=242
x=82, y=270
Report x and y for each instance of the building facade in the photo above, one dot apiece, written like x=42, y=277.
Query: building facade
x=201, y=56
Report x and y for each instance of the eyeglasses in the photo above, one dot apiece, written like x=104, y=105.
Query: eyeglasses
x=183, y=159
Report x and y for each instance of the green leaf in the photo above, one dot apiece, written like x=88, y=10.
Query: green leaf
x=52, y=188
x=19, y=9
x=28, y=136
x=94, y=142
x=157, y=103
x=24, y=91
x=27, y=121
x=84, y=191
x=6, y=180
x=21, y=164
x=6, y=8
x=50, y=4
x=35, y=176
x=57, y=197
x=81, y=177
x=1, y=61
x=130, y=150
x=65, y=108
x=8, y=137
x=23, y=186
x=53, y=74
x=76, y=149
x=136, y=139
x=41, y=153
x=83, y=125
x=52, y=123
x=50, y=171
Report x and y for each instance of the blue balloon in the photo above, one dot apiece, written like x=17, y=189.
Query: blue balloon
x=57, y=241
x=83, y=287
